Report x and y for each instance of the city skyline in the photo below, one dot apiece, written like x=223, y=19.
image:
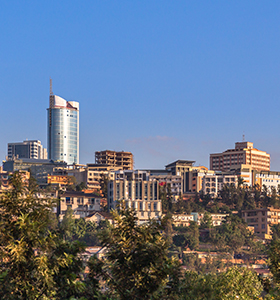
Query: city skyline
x=162, y=80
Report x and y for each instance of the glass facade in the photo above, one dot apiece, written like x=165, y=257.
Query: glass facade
x=63, y=135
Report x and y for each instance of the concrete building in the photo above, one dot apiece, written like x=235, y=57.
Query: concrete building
x=181, y=168
x=40, y=168
x=175, y=182
x=82, y=204
x=27, y=149
x=121, y=159
x=63, y=130
x=244, y=153
x=95, y=173
x=182, y=219
x=262, y=219
x=137, y=192
x=213, y=183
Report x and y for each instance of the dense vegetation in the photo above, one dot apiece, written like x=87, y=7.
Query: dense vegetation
x=41, y=258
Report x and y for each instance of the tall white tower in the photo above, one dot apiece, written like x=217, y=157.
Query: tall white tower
x=63, y=129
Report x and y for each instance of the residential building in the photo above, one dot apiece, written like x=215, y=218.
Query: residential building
x=217, y=219
x=115, y=159
x=82, y=204
x=99, y=216
x=244, y=153
x=27, y=149
x=63, y=130
x=182, y=219
x=262, y=219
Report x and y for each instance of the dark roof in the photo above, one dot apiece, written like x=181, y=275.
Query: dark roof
x=81, y=194
x=105, y=214
x=182, y=162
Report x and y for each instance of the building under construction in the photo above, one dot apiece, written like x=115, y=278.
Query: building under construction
x=115, y=159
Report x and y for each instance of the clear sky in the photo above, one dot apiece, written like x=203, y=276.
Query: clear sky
x=165, y=80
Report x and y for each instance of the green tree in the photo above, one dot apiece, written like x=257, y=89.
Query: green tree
x=206, y=221
x=235, y=283
x=36, y=262
x=136, y=264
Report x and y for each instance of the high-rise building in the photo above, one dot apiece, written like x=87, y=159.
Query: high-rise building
x=115, y=159
x=63, y=130
x=244, y=153
x=27, y=149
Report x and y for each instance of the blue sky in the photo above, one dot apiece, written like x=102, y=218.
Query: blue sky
x=165, y=80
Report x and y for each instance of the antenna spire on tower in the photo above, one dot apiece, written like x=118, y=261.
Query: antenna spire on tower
x=243, y=137
x=51, y=91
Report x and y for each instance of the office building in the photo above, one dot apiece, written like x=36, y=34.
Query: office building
x=27, y=149
x=115, y=159
x=63, y=130
x=137, y=191
x=39, y=168
x=244, y=153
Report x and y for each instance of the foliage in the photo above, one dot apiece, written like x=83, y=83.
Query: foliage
x=232, y=235
x=235, y=283
x=188, y=238
x=36, y=262
x=104, y=185
x=136, y=264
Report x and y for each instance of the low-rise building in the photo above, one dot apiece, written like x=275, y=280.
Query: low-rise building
x=182, y=219
x=82, y=204
x=99, y=216
x=262, y=219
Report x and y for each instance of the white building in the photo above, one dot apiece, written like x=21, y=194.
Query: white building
x=63, y=130
x=27, y=149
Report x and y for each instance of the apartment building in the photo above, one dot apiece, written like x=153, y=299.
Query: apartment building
x=82, y=204
x=121, y=159
x=262, y=219
x=243, y=153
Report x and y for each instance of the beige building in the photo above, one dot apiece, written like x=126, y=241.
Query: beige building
x=244, y=153
x=121, y=159
x=175, y=182
x=213, y=183
x=182, y=219
x=82, y=204
x=262, y=219
x=141, y=195
x=99, y=216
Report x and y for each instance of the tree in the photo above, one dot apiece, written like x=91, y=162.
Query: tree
x=104, y=185
x=187, y=236
x=232, y=234
x=136, y=264
x=206, y=221
x=235, y=283
x=36, y=262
